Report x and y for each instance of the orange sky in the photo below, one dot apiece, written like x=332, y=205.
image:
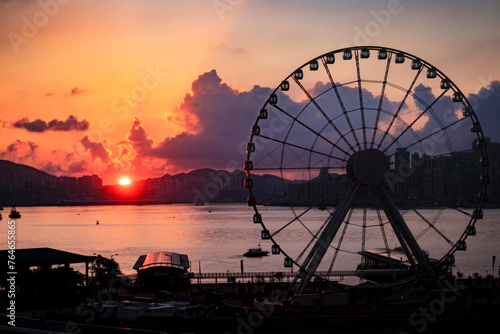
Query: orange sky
x=124, y=69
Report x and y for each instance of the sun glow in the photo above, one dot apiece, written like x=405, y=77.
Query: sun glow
x=124, y=181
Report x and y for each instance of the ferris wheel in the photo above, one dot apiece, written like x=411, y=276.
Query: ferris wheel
x=375, y=161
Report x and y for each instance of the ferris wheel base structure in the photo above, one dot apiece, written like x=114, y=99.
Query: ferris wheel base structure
x=368, y=168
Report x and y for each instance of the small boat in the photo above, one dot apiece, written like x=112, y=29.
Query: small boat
x=14, y=213
x=256, y=252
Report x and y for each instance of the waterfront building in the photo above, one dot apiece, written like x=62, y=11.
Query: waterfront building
x=162, y=271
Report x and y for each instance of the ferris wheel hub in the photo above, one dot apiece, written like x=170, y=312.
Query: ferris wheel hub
x=368, y=166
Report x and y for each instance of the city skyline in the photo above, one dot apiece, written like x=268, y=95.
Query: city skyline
x=122, y=89
x=413, y=179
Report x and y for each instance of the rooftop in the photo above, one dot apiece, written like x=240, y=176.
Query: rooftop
x=162, y=259
x=30, y=257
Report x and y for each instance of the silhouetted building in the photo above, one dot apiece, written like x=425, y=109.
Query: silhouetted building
x=162, y=271
x=419, y=178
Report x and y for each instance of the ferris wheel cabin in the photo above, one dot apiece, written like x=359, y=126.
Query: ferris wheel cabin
x=313, y=65
x=382, y=54
x=365, y=53
x=431, y=73
x=347, y=55
x=330, y=58
x=400, y=58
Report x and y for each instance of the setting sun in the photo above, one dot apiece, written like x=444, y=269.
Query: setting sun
x=124, y=181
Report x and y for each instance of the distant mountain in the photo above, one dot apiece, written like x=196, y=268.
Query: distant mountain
x=11, y=167
x=25, y=185
x=209, y=185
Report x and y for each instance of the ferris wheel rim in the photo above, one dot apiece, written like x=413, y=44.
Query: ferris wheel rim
x=424, y=64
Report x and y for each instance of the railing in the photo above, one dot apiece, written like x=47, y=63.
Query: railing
x=272, y=274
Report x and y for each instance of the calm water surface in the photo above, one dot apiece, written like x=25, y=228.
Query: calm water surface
x=215, y=236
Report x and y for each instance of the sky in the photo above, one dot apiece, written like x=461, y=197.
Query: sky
x=144, y=88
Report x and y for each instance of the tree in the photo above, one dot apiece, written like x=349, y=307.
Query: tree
x=104, y=270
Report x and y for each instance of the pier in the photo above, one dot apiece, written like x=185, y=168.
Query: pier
x=278, y=276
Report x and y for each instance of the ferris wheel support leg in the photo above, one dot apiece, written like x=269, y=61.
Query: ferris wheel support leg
x=320, y=247
x=405, y=237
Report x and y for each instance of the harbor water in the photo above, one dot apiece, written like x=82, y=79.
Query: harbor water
x=214, y=236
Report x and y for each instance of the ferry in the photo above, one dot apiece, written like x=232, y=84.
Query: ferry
x=14, y=213
x=256, y=252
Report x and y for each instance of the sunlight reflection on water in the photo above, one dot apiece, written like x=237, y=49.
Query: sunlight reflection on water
x=216, y=236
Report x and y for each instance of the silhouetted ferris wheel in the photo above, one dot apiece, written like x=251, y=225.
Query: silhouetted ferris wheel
x=381, y=161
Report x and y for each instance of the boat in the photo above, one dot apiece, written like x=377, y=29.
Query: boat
x=14, y=213
x=255, y=252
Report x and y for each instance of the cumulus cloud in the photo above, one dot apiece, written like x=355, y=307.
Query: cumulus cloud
x=38, y=125
x=97, y=150
x=217, y=119
x=486, y=104
x=139, y=138
x=446, y=114
x=21, y=152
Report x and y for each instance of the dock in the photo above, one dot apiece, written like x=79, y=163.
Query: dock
x=271, y=276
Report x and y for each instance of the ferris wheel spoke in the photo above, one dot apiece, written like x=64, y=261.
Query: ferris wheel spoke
x=310, y=150
x=440, y=123
x=339, y=243
x=315, y=237
x=443, y=129
x=291, y=162
x=329, y=121
x=431, y=225
x=361, y=104
x=433, y=199
x=403, y=101
x=269, y=155
x=386, y=243
x=381, y=100
x=416, y=119
x=363, y=231
x=402, y=121
x=342, y=106
x=310, y=129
